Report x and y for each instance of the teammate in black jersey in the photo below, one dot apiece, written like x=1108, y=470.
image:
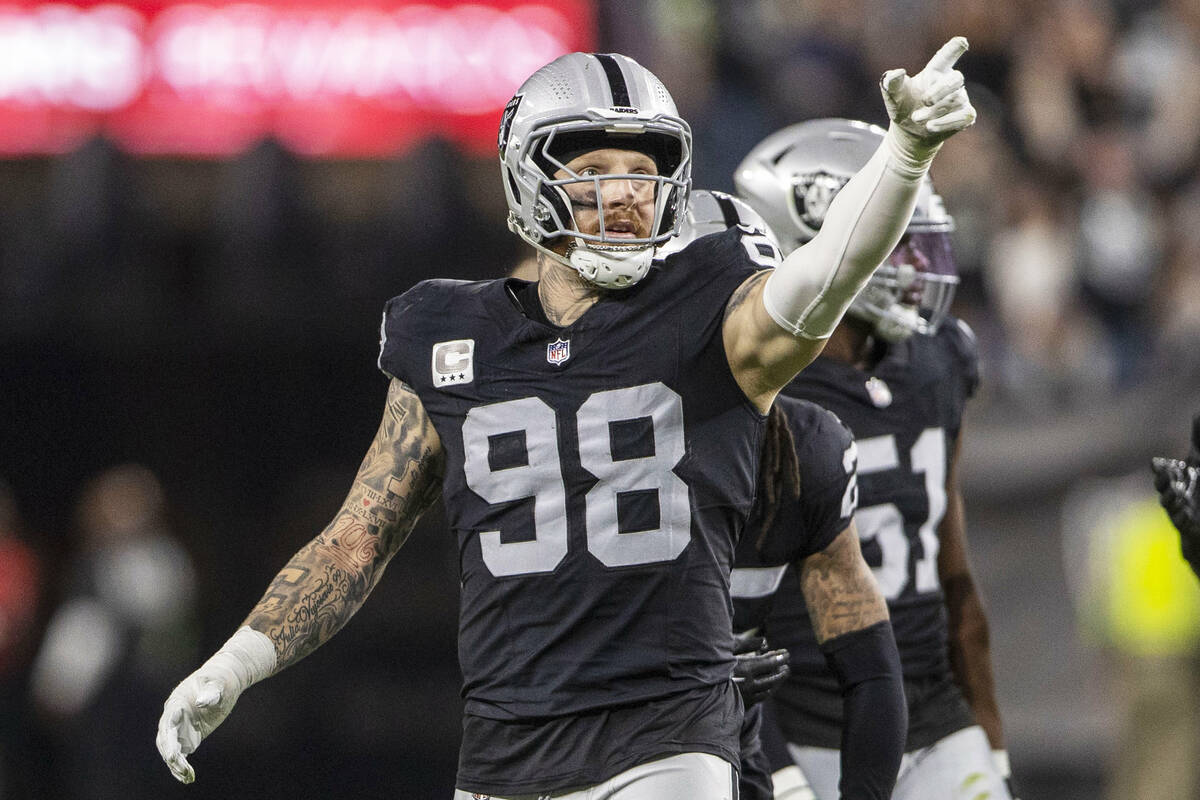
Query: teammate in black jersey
x=803, y=518
x=595, y=440
x=898, y=371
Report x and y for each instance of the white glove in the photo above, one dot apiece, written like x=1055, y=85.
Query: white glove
x=204, y=699
x=927, y=108
x=1004, y=770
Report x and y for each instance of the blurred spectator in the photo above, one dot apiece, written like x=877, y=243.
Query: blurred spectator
x=1061, y=78
x=1180, y=287
x=1119, y=248
x=1031, y=279
x=1138, y=598
x=122, y=635
x=1162, y=45
x=20, y=585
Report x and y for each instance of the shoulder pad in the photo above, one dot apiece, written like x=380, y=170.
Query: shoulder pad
x=964, y=347
x=427, y=297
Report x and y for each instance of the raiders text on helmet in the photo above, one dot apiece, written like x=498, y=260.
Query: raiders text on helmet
x=575, y=104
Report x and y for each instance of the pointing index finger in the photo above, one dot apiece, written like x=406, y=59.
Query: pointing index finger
x=943, y=60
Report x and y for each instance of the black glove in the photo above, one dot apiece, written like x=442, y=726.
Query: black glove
x=758, y=670
x=1176, y=482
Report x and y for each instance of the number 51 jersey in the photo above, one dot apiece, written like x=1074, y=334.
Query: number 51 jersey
x=905, y=414
x=597, y=478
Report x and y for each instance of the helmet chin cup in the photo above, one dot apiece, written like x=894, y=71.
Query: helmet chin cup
x=610, y=267
x=890, y=320
x=898, y=324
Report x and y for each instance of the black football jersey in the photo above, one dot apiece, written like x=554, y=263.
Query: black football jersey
x=905, y=414
x=825, y=454
x=597, y=478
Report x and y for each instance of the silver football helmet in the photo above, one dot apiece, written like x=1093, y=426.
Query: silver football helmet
x=710, y=211
x=791, y=178
x=582, y=102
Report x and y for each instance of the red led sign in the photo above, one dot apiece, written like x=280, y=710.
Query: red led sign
x=326, y=78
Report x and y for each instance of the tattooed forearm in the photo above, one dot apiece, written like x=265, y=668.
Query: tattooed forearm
x=319, y=590
x=840, y=590
x=324, y=584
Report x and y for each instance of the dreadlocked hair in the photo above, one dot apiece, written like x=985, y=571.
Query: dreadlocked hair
x=778, y=474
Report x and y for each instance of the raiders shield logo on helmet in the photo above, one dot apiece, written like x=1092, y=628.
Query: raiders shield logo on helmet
x=510, y=111
x=812, y=194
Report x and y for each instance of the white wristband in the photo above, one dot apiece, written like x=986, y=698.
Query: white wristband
x=248, y=656
x=909, y=157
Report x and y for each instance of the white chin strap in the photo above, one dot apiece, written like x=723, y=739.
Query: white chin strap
x=898, y=324
x=891, y=321
x=610, y=267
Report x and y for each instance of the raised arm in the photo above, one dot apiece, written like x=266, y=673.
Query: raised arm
x=851, y=622
x=778, y=322
x=322, y=585
x=970, y=641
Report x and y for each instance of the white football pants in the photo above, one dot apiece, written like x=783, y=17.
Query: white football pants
x=958, y=767
x=687, y=776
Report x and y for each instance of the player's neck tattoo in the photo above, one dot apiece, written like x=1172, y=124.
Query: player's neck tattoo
x=564, y=294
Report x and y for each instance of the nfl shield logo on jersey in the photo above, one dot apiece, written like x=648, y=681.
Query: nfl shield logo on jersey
x=558, y=351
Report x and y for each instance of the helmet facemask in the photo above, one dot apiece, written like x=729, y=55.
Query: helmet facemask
x=559, y=197
x=912, y=290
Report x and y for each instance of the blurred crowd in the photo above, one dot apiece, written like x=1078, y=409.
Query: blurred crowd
x=1076, y=194
x=185, y=314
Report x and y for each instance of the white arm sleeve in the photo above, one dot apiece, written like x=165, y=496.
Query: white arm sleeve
x=810, y=291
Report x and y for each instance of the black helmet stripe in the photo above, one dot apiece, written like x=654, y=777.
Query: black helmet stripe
x=729, y=212
x=552, y=196
x=616, y=80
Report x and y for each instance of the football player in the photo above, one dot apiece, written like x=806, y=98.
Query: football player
x=803, y=517
x=898, y=371
x=594, y=437
x=1176, y=481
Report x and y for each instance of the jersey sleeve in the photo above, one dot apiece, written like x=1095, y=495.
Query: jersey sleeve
x=828, y=481
x=728, y=257
x=827, y=459
x=402, y=316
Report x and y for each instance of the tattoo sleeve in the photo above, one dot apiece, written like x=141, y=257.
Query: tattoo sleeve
x=840, y=590
x=326, y=582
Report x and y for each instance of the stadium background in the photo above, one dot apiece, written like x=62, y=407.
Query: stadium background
x=198, y=294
